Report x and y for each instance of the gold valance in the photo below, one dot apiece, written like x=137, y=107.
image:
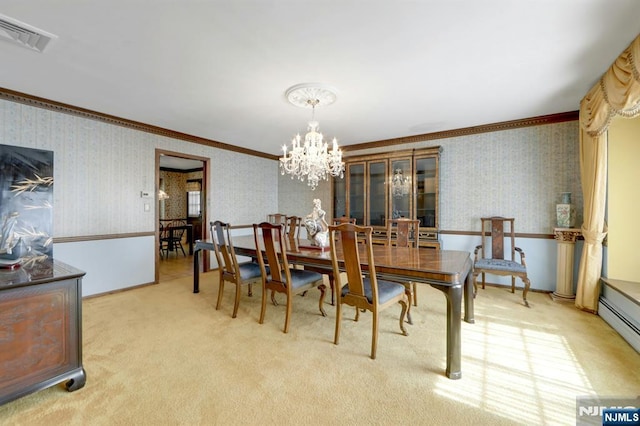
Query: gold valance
x=617, y=93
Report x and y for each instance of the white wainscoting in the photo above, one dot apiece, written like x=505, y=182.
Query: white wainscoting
x=540, y=255
x=111, y=264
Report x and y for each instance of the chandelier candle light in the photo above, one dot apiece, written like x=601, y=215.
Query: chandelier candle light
x=311, y=159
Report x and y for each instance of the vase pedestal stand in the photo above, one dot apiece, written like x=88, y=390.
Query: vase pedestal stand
x=566, y=238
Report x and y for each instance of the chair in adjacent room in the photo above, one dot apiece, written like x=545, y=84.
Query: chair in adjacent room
x=403, y=232
x=282, y=278
x=230, y=270
x=163, y=233
x=172, y=242
x=489, y=256
x=362, y=288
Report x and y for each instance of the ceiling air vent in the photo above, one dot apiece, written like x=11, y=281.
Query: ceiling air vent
x=23, y=34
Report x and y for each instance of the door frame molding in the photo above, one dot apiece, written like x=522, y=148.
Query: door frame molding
x=206, y=167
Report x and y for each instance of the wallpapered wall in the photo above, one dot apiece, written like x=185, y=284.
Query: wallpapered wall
x=174, y=184
x=516, y=173
x=296, y=198
x=100, y=170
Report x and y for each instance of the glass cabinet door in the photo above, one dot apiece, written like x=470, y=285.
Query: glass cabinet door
x=392, y=185
x=357, y=192
x=401, y=188
x=426, y=191
x=377, y=193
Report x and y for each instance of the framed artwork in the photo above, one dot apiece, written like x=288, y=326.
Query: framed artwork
x=26, y=205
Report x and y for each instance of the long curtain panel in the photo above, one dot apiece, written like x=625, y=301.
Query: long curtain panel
x=616, y=93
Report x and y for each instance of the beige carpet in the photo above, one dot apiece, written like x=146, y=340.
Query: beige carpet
x=161, y=355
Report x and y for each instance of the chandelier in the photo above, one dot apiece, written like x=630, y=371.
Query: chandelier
x=400, y=184
x=310, y=158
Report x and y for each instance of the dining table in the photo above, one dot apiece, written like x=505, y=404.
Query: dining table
x=446, y=270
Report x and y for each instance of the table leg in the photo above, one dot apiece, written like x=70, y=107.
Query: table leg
x=454, y=311
x=468, y=299
x=196, y=272
x=190, y=238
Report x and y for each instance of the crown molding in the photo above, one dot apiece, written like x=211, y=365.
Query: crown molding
x=60, y=107
x=466, y=131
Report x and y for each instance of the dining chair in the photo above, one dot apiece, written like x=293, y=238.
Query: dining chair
x=230, y=270
x=498, y=233
x=294, y=224
x=403, y=232
x=276, y=218
x=292, y=230
x=338, y=221
x=343, y=219
x=176, y=230
x=163, y=232
x=171, y=238
x=280, y=277
x=362, y=289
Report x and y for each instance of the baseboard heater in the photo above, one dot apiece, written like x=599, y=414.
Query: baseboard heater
x=621, y=322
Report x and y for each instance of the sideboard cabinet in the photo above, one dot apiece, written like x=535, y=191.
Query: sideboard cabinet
x=40, y=328
x=400, y=184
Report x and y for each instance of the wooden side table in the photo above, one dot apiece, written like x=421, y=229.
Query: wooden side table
x=566, y=238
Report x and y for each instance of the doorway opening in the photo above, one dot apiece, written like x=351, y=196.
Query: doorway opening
x=181, y=197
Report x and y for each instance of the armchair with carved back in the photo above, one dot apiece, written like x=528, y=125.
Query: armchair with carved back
x=490, y=256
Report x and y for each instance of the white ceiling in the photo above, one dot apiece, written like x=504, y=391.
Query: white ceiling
x=177, y=163
x=219, y=69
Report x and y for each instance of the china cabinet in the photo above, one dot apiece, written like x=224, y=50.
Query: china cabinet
x=391, y=185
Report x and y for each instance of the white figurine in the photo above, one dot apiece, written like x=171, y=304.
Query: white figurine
x=316, y=225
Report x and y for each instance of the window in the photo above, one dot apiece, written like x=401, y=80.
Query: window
x=193, y=203
x=193, y=188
